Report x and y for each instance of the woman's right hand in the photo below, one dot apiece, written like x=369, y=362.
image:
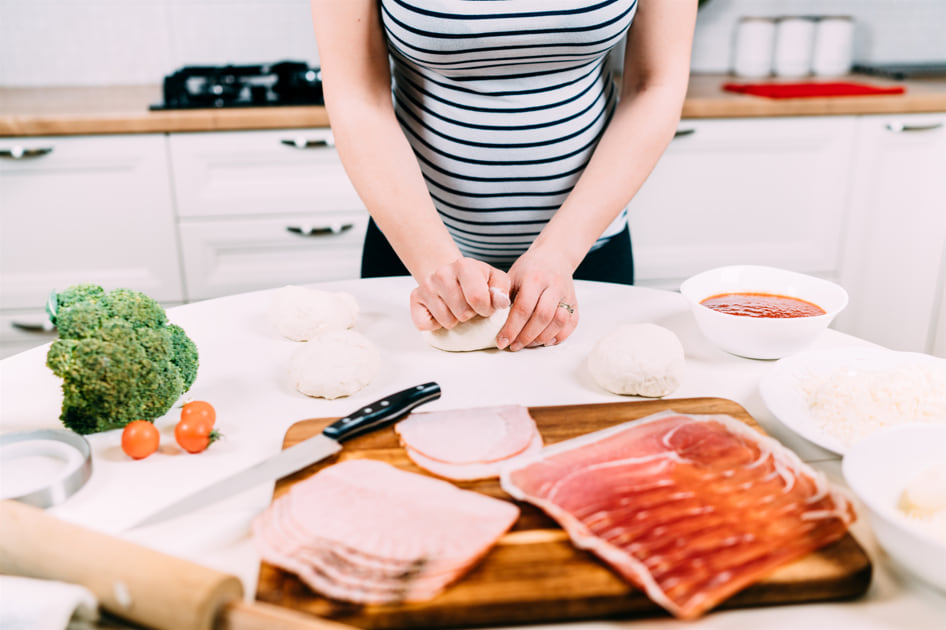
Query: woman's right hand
x=456, y=292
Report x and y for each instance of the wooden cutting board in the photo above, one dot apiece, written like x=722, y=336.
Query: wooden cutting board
x=534, y=574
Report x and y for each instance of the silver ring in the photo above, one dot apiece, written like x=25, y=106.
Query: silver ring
x=568, y=307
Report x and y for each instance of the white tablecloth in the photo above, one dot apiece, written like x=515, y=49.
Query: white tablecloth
x=243, y=373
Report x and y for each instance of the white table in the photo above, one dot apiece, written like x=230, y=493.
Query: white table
x=243, y=373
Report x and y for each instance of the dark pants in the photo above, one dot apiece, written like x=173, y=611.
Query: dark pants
x=612, y=262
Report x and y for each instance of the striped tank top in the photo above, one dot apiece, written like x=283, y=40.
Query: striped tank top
x=503, y=102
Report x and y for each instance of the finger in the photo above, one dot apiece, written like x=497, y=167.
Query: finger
x=519, y=315
x=566, y=331
x=446, y=292
x=430, y=313
x=546, y=320
x=499, y=289
x=422, y=319
x=473, y=281
x=562, y=326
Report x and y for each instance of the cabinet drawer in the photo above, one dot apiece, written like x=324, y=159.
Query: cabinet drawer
x=259, y=173
x=223, y=257
x=86, y=209
x=763, y=191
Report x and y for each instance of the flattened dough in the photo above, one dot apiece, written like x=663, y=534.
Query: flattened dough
x=478, y=333
x=334, y=364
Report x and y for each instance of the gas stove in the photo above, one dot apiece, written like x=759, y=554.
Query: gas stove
x=210, y=87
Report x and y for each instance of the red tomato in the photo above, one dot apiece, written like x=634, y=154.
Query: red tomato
x=139, y=439
x=194, y=436
x=199, y=411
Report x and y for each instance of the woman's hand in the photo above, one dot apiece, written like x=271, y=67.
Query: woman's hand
x=545, y=310
x=456, y=292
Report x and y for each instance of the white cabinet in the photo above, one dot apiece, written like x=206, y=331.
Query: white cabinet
x=770, y=191
x=82, y=209
x=895, y=247
x=258, y=209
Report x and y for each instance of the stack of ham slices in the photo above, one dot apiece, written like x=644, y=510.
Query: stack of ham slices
x=468, y=444
x=690, y=508
x=367, y=532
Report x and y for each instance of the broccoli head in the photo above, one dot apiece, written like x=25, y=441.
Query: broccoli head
x=118, y=357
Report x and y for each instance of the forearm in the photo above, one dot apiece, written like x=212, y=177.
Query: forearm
x=387, y=177
x=637, y=136
x=656, y=73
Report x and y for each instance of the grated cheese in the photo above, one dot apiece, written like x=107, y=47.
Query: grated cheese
x=849, y=404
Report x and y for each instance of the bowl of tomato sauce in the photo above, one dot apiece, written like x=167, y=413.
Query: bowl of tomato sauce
x=762, y=312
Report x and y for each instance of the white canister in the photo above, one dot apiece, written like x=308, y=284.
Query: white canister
x=752, y=47
x=833, y=47
x=794, y=37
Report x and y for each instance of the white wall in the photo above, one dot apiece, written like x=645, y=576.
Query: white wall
x=99, y=42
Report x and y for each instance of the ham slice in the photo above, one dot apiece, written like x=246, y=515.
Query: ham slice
x=689, y=508
x=467, y=444
x=364, y=531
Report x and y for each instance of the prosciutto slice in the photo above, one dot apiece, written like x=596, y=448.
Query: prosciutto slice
x=467, y=444
x=364, y=531
x=689, y=508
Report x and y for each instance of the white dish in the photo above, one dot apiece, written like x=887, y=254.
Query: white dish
x=762, y=337
x=878, y=469
x=783, y=392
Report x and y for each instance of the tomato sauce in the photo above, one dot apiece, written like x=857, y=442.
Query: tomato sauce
x=762, y=305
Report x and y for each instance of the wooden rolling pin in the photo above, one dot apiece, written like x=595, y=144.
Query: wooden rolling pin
x=139, y=584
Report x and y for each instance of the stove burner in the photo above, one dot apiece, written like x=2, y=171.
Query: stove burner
x=283, y=83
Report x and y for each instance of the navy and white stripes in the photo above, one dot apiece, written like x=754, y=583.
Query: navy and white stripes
x=503, y=102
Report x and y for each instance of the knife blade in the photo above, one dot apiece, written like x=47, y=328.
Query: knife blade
x=373, y=416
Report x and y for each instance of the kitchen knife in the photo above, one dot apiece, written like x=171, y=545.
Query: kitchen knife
x=378, y=414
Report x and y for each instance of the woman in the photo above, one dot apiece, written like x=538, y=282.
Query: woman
x=503, y=164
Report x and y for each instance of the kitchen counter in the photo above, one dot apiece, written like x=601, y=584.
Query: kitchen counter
x=244, y=374
x=124, y=109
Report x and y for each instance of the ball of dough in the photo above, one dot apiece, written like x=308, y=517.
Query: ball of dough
x=478, y=333
x=333, y=364
x=300, y=313
x=638, y=360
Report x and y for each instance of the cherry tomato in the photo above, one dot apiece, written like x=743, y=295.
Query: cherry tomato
x=199, y=411
x=140, y=438
x=194, y=436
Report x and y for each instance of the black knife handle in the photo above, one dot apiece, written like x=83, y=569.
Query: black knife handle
x=382, y=412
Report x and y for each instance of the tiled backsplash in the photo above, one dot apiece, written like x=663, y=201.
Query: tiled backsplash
x=99, y=42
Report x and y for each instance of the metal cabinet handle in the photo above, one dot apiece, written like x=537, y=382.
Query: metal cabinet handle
x=899, y=127
x=21, y=153
x=680, y=133
x=41, y=327
x=304, y=143
x=311, y=230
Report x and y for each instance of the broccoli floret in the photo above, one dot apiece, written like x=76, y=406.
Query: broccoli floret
x=119, y=358
x=184, y=354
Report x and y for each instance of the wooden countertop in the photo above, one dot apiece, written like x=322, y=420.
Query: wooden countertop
x=51, y=111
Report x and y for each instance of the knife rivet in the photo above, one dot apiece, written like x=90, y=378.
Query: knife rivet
x=367, y=410
x=385, y=403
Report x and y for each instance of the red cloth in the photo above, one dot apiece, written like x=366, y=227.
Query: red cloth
x=811, y=89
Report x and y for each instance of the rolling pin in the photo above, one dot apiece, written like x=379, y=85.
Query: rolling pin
x=133, y=582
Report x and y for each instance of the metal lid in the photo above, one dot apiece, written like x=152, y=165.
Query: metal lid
x=68, y=483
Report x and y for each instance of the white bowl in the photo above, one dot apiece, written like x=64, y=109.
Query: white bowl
x=877, y=469
x=762, y=337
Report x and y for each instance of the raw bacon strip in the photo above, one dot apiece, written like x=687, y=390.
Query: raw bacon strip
x=367, y=532
x=470, y=472
x=469, y=436
x=691, y=509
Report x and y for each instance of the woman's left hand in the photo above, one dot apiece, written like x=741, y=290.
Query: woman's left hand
x=544, y=311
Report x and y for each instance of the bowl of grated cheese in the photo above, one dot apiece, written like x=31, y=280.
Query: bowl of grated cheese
x=899, y=474
x=761, y=312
